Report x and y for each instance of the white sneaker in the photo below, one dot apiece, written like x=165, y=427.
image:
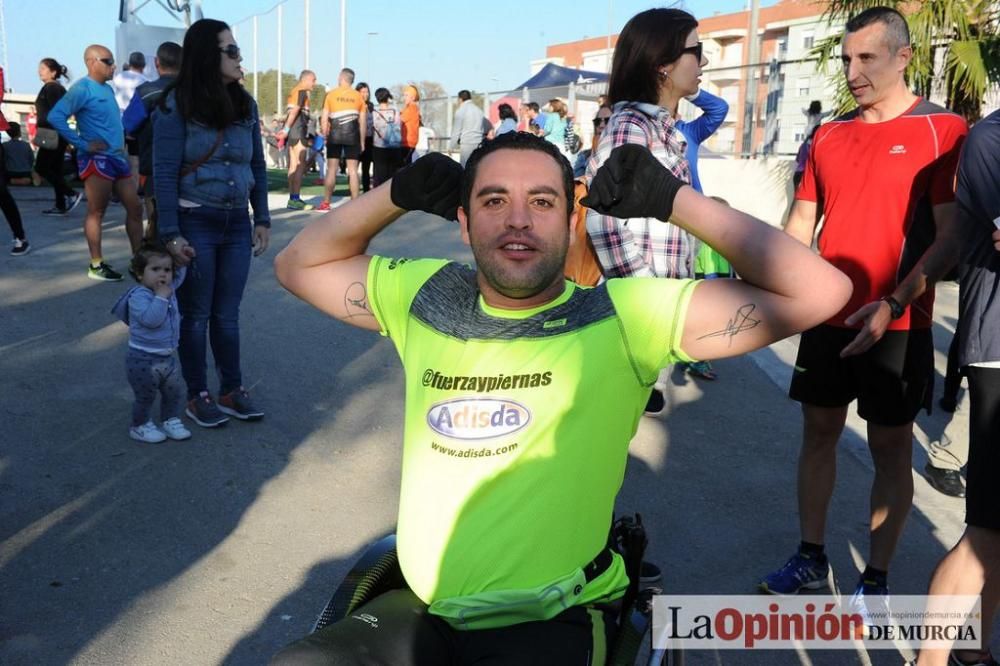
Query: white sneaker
x=147, y=432
x=174, y=429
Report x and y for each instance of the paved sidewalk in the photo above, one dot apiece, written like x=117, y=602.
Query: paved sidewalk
x=221, y=549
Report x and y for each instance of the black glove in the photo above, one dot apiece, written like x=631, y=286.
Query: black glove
x=431, y=184
x=632, y=183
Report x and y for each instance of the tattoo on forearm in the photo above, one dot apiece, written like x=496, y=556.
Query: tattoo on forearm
x=356, y=301
x=741, y=321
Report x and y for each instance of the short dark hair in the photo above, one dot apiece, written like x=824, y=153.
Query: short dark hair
x=506, y=111
x=169, y=54
x=650, y=39
x=136, y=60
x=897, y=33
x=533, y=106
x=464, y=95
x=348, y=74
x=147, y=251
x=516, y=141
x=14, y=130
x=382, y=95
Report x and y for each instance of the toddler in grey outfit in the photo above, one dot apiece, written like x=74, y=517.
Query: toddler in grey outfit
x=150, y=310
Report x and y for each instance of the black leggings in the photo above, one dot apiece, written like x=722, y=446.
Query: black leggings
x=49, y=165
x=7, y=203
x=386, y=161
x=982, y=503
x=366, y=165
x=395, y=628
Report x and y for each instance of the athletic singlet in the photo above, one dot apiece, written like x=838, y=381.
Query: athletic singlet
x=516, y=435
x=877, y=184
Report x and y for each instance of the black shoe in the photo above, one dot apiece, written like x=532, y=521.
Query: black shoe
x=948, y=403
x=946, y=481
x=656, y=403
x=649, y=574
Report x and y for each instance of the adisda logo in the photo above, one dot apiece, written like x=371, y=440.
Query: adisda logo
x=477, y=418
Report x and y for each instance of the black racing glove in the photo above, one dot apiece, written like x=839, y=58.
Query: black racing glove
x=632, y=183
x=431, y=184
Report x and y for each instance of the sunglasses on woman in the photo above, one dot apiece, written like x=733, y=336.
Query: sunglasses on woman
x=600, y=121
x=232, y=50
x=694, y=50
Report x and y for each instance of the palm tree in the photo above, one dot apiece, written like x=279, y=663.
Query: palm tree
x=961, y=36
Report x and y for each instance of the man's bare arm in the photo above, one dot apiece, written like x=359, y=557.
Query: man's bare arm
x=326, y=264
x=802, y=221
x=937, y=260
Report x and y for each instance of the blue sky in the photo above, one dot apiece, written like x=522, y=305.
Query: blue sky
x=448, y=41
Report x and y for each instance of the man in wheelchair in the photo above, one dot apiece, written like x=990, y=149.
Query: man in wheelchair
x=523, y=390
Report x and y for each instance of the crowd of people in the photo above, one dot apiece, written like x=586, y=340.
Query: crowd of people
x=905, y=191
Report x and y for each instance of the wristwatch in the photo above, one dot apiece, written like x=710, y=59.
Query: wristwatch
x=895, y=309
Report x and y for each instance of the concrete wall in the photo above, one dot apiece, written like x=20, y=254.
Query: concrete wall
x=759, y=187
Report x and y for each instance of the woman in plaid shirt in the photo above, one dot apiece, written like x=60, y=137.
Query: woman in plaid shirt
x=657, y=61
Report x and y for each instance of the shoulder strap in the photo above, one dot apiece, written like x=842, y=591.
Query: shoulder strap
x=191, y=168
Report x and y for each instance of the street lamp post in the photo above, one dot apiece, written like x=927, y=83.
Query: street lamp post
x=368, y=72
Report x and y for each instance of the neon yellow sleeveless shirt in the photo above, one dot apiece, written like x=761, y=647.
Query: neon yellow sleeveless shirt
x=516, y=433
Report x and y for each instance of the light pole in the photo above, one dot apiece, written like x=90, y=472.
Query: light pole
x=368, y=73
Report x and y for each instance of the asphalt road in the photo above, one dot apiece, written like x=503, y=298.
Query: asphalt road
x=222, y=549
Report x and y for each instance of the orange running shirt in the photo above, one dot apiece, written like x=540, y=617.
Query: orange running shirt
x=344, y=103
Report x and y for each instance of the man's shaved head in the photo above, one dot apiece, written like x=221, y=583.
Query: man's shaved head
x=96, y=69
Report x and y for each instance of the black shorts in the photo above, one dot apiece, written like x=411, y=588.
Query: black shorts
x=341, y=151
x=892, y=381
x=982, y=502
x=132, y=146
x=298, y=132
x=395, y=628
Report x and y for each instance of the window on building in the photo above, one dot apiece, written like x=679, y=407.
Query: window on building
x=803, y=86
x=800, y=133
x=808, y=38
x=782, y=46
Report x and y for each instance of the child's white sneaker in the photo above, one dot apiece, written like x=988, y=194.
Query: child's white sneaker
x=147, y=432
x=174, y=429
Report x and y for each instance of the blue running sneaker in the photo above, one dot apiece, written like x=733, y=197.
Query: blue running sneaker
x=801, y=572
x=871, y=601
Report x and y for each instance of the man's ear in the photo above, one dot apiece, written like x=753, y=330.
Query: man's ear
x=573, y=221
x=463, y=224
x=906, y=55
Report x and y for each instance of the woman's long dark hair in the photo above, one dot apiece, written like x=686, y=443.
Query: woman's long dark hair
x=650, y=39
x=201, y=93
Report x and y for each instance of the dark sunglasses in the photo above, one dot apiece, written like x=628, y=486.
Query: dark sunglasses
x=694, y=50
x=110, y=62
x=600, y=121
x=232, y=50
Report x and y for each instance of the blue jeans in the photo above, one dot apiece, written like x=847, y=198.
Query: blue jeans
x=209, y=298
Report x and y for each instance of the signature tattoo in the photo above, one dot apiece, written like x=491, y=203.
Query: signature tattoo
x=356, y=301
x=741, y=322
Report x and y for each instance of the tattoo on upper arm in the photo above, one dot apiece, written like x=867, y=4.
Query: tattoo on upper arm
x=741, y=321
x=356, y=301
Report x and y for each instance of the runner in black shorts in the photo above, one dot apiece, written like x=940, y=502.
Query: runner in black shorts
x=881, y=178
x=892, y=381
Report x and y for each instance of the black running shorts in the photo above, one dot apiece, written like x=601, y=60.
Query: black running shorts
x=892, y=381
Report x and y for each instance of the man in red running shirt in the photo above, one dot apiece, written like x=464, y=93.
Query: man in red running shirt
x=882, y=176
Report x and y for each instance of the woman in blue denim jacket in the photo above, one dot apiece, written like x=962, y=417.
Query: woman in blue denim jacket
x=208, y=165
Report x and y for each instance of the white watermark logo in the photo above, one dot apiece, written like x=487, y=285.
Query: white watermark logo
x=816, y=622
